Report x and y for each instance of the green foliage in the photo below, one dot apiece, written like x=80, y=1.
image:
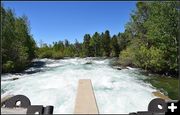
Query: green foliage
x=8, y=66
x=114, y=46
x=124, y=39
x=70, y=51
x=59, y=50
x=45, y=54
x=57, y=55
x=78, y=49
x=18, y=46
x=151, y=58
x=155, y=25
x=86, y=45
x=106, y=43
x=167, y=85
x=127, y=56
x=95, y=44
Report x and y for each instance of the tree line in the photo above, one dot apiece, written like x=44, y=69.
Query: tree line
x=17, y=45
x=150, y=41
x=97, y=45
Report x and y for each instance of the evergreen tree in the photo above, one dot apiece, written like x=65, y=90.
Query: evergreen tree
x=86, y=46
x=95, y=44
x=115, y=46
x=106, y=43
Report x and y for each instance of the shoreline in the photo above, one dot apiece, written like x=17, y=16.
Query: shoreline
x=160, y=95
x=114, y=63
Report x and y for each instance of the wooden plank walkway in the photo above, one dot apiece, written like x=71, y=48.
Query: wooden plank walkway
x=85, y=99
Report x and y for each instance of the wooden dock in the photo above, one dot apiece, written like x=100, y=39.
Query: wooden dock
x=85, y=99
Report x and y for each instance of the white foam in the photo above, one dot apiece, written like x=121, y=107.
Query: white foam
x=116, y=91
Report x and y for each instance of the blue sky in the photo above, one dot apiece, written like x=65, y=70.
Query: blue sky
x=53, y=21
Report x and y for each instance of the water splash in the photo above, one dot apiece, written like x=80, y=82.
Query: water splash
x=116, y=91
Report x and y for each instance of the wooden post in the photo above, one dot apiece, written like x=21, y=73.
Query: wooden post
x=85, y=99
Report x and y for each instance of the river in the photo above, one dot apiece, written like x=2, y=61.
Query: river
x=54, y=82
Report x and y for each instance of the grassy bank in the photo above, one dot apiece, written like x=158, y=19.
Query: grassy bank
x=167, y=85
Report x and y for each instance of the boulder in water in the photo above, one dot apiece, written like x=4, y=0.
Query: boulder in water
x=119, y=67
x=88, y=63
x=15, y=78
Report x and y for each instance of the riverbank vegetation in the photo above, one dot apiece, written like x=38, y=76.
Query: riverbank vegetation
x=154, y=41
x=18, y=46
x=167, y=85
x=150, y=41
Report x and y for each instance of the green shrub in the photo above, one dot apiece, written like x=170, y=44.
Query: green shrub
x=45, y=54
x=8, y=66
x=57, y=55
x=125, y=57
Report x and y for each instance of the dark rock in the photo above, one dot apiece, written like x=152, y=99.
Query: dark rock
x=32, y=71
x=118, y=67
x=15, y=78
x=88, y=63
x=38, y=64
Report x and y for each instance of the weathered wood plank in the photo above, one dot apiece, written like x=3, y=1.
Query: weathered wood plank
x=85, y=100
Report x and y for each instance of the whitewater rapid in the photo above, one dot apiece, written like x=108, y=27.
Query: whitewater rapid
x=55, y=83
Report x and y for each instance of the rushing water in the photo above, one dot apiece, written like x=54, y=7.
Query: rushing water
x=55, y=83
